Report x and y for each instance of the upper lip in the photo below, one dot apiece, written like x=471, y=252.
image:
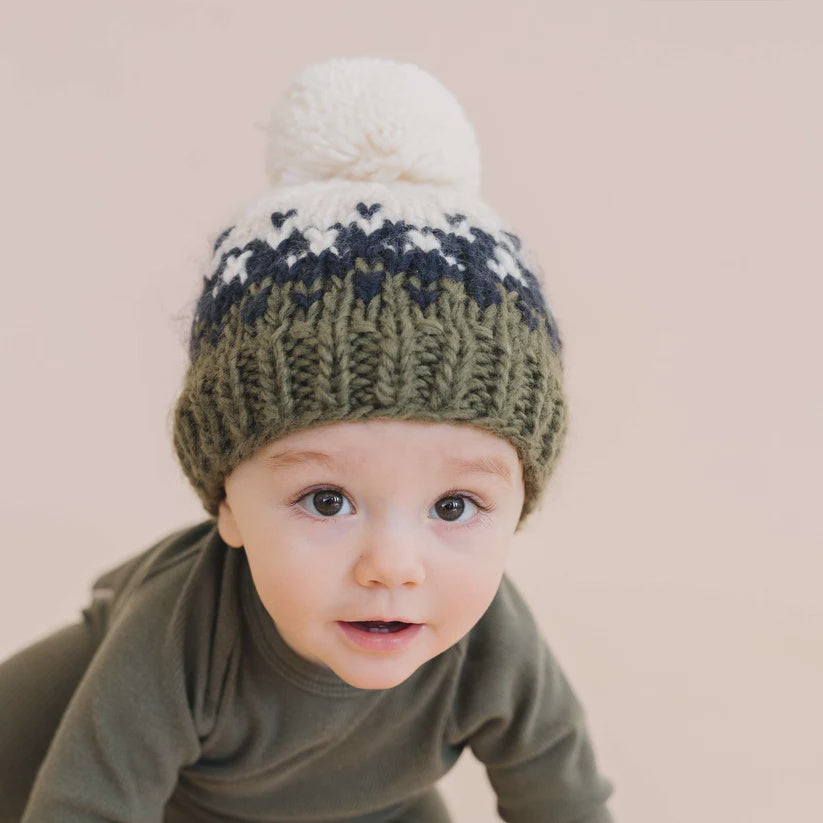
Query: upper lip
x=380, y=620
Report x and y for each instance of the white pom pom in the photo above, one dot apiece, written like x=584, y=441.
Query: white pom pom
x=371, y=119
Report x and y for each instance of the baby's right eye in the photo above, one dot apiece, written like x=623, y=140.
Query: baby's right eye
x=325, y=502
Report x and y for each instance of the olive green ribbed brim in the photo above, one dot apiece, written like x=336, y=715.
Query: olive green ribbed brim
x=341, y=359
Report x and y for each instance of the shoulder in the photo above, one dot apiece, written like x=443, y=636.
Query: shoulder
x=174, y=610
x=508, y=671
x=507, y=631
x=189, y=575
x=499, y=657
x=166, y=573
x=180, y=547
x=183, y=567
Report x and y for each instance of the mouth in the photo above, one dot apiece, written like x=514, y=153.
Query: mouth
x=380, y=635
x=381, y=626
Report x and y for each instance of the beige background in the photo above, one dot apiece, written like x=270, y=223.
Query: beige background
x=664, y=158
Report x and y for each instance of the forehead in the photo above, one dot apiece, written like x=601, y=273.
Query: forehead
x=484, y=464
x=455, y=448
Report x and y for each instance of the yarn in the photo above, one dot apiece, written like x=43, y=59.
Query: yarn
x=370, y=119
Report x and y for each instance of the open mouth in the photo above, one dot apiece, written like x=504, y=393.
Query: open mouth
x=380, y=635
x=381, y=626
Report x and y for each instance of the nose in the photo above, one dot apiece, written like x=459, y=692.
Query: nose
x=389, y=560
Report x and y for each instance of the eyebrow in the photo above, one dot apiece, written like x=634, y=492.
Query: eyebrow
x=480, y=465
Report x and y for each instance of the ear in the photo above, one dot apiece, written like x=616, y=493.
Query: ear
x=227, y=526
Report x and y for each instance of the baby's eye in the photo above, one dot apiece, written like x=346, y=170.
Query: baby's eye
x=452, y=506
x=325, y=502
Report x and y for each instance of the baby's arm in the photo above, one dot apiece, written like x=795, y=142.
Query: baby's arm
x=128, y=728
x=524, y=722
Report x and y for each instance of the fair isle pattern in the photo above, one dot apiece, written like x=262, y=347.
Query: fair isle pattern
x=293, y=248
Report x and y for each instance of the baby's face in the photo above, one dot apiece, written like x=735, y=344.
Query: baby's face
x=379, y=556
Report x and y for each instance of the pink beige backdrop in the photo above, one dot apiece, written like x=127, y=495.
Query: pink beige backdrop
x=664, y=158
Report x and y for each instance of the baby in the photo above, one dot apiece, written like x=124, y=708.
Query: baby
x=372, y=408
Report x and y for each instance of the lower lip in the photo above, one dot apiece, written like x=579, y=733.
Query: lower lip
x=381, y=641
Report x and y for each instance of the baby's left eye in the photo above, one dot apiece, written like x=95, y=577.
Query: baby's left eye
x=453, y=506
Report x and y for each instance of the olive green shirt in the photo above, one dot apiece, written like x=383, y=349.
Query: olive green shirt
x=194, y=708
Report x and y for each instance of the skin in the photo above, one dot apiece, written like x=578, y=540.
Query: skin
x=403, y=538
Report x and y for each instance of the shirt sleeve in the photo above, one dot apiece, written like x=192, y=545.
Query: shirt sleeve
x=523, y=721
x=129, y=727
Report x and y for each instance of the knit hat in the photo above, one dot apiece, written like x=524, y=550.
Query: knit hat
x=370, y=281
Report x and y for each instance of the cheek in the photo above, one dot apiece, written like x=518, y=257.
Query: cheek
x=293, y=583
x=466, y=588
